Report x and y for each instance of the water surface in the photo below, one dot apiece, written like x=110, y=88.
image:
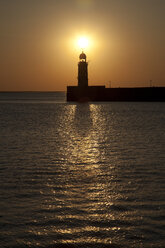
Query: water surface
x=81, y=175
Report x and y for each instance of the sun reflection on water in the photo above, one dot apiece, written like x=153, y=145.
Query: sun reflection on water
x=80, y=196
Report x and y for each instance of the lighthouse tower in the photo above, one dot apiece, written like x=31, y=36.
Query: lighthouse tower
x=82, y=71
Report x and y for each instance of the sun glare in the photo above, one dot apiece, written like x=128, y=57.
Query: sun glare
x=86, y=43
x=83, y=42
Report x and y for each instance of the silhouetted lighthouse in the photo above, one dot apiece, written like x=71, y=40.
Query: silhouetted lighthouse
x=82, y=71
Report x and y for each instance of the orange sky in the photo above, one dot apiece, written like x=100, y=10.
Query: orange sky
x=38, y=51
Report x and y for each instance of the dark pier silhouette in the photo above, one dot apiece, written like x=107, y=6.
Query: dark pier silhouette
x=84, y=93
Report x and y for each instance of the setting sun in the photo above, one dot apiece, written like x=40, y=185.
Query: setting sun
x=83, y=42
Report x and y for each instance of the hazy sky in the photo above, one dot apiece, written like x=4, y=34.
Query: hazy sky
x=38, y=51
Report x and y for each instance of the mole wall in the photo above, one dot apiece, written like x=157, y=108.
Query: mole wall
x=100, y=93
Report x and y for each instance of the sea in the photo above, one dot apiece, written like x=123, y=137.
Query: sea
x=81, y=175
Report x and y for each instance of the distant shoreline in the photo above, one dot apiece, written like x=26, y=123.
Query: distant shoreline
x=62, y=91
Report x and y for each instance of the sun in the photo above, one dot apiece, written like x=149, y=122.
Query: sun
x=83, y=42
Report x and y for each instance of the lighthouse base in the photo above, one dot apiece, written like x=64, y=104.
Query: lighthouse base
x=84, y=94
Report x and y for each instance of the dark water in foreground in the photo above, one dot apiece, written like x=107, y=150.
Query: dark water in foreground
x=81, y=175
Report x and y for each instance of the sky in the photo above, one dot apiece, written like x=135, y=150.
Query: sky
x=38, y=49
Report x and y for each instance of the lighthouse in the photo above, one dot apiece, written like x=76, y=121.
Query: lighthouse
x=82, y=71
x=82, y=92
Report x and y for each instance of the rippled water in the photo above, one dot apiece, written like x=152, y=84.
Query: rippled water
x=81, y=175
